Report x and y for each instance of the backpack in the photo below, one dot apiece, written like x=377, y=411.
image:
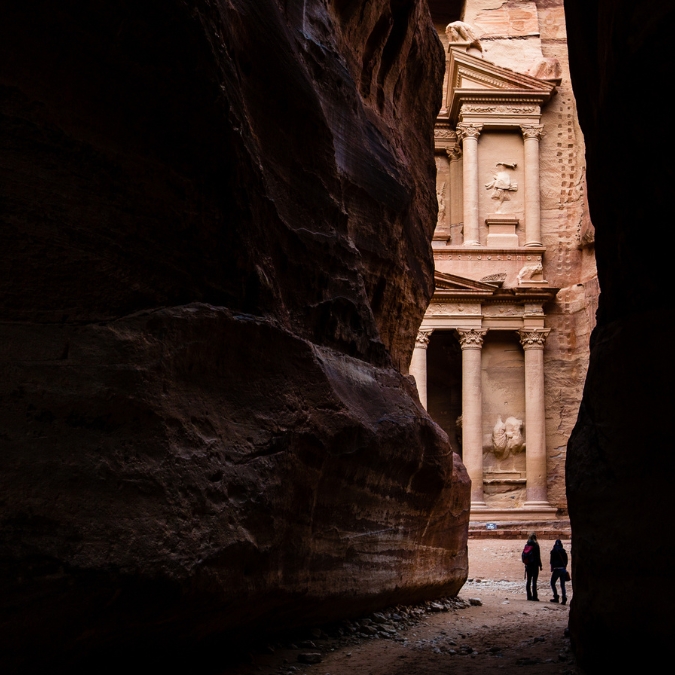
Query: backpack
x=528, y=554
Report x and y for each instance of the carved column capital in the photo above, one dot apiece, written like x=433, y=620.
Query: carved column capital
x=533, y=338
x=465, y=130
x=471, y=338
x=535, y=131
x=454, y=153
x=422, y=339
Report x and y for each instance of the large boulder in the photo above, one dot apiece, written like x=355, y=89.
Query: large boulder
x=620, y=459
x=216, y=252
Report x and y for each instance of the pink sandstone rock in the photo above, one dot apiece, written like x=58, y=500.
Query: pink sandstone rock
x=219, y=219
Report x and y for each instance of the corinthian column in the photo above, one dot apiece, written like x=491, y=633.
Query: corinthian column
x=531, y=136
x=471, y=342
x=533, y=341
x=469, y=134
x=418, y=363
x=456, y=214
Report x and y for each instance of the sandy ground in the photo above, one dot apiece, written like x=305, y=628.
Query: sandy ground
x=505, y=634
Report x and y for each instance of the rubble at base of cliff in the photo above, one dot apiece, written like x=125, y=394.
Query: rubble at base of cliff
x=390, y=624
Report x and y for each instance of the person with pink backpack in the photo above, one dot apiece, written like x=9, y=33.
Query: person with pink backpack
x=532, y=560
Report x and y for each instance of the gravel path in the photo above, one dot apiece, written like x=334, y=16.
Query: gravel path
x=503, y=633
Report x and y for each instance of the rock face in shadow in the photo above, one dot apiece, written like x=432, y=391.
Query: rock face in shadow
x=217, y=219
x=620, y=460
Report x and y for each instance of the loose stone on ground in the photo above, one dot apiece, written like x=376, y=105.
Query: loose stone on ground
x=502, y=631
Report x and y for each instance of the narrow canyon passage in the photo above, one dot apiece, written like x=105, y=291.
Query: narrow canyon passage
x=503, y=634
x=298, y=295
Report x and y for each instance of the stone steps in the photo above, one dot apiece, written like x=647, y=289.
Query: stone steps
x=546, y=529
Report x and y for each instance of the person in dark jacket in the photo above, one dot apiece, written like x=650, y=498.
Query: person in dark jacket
x=532, y=561
x=558, y=571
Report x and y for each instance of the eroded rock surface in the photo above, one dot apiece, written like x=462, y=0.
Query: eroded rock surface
x=620, y=461
x=217, y=218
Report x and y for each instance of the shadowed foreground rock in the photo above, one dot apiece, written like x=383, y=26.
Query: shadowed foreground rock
x=620, y=461
x=216, y=220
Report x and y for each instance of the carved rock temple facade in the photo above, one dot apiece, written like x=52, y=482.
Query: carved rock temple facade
x=502, y=351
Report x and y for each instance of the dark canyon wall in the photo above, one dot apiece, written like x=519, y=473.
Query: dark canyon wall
x=621, y=460
x=216, y=218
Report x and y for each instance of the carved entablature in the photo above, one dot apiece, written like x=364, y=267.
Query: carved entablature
x=502, y=310
x=461, y=303
x=502, y=109
x=445, y=137
x=480, y=92
x=453, y=309
x=533, y=309
x=444, y=133
x=516, y=258
x=441, y=309
x=500, y=112
x=471, y=338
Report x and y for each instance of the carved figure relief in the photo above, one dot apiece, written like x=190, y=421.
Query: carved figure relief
x=507, y=437
x=546, y=69
x=501, y=184
x=440, y=194
x=463, y=33
x=531, y=273
x=498, y=278
x=499, y=437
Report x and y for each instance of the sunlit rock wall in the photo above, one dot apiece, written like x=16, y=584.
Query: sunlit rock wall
x=517, y=34
x=620, y=458
x=216, y=223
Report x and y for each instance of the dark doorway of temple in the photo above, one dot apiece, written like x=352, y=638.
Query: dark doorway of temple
x=444, y=384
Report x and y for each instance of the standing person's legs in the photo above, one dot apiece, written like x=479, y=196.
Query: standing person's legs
x=528, y=584
x=562, y=586
x=535, y=576
x=554, y=578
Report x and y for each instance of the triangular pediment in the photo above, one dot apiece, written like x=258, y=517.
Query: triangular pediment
x=470, y=72
x=455, y=283
x=471, y=79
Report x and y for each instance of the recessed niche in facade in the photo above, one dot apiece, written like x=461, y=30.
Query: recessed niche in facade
x=444, y=385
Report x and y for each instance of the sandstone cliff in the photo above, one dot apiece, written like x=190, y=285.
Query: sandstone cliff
x=216, y=218
x=620, y=459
